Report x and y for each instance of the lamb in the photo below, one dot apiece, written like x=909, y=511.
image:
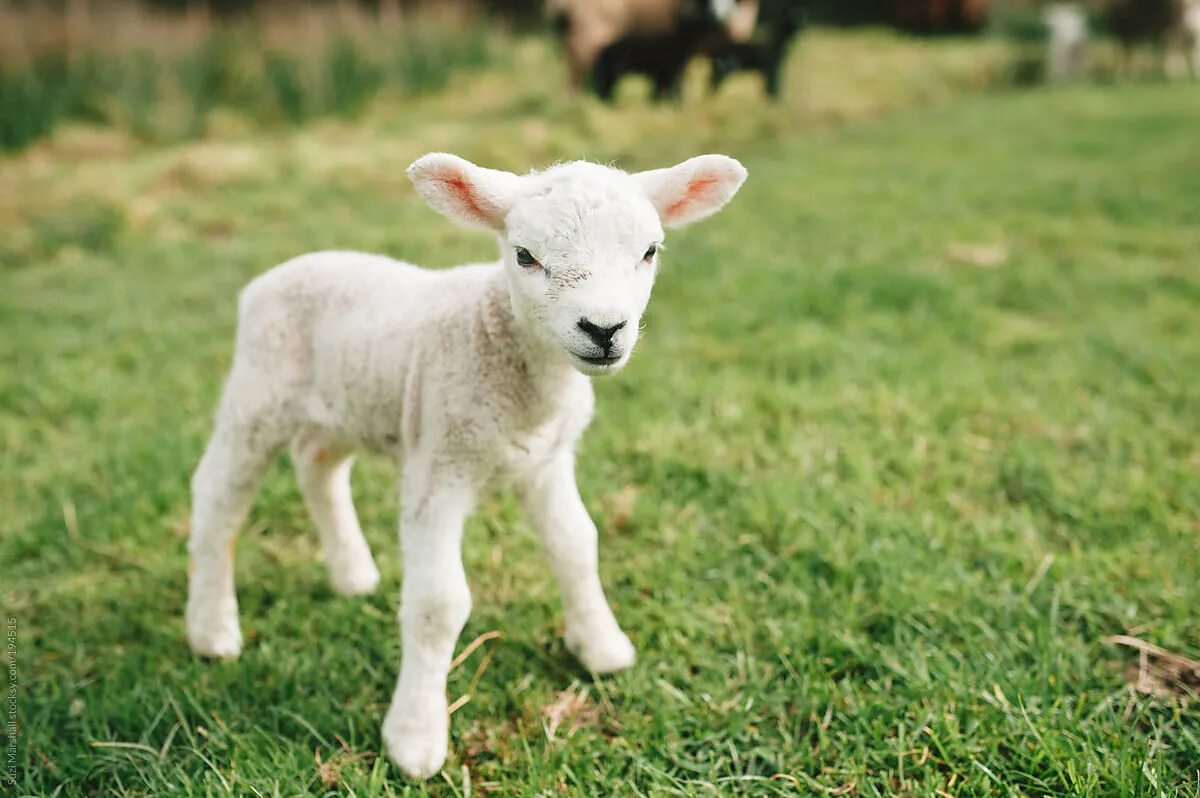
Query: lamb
x=1066, y=57
x=473, y=377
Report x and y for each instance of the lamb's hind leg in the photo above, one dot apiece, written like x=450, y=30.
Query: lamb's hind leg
x=323, y=471
x=223, y=489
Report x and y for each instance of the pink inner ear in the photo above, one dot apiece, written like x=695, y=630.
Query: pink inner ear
x=462, y=191
x=697, y=190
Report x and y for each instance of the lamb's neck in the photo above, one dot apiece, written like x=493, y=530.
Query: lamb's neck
x=509, y=338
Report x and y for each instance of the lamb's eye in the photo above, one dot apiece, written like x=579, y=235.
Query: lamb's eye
x=526, y=259
x=650, y=253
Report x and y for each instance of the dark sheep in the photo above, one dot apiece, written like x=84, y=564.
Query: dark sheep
x=1137, y=21
x=778, y=23
x=1173, y=26
x=587, y=27
x=661, y=57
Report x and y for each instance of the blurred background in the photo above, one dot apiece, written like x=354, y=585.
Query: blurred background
x=171, y=69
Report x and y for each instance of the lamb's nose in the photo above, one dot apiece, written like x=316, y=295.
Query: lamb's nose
x=601, y=336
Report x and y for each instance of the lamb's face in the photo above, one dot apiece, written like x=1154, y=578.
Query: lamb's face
x=580, y=240
x=581, y=252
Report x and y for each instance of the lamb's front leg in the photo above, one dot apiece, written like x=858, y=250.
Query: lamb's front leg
x=569, y=538
x=434, y=605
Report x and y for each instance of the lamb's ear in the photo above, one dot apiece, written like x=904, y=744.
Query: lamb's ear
x=463, y=192
x=696, y=188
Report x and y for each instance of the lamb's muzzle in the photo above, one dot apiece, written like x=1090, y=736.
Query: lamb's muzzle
x=468, y=377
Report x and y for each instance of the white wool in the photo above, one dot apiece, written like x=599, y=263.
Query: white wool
x=1189, y=35
x=469, y=378
x=1067, y=22
x=1067, y=44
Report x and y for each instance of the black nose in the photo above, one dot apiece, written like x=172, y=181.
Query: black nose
x=601, y=336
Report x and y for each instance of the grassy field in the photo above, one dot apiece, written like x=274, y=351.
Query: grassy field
x=913, y=429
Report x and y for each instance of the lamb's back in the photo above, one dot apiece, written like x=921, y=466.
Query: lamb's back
x=345, y=330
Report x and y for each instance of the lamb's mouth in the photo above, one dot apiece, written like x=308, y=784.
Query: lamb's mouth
x=599, y=360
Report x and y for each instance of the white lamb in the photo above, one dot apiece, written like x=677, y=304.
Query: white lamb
x=1067, y=24
x=468, y=377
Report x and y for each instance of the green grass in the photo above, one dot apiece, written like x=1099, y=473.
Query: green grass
x=868, y=508
x=166, y=96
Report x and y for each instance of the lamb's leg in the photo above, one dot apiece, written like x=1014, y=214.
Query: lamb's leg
x=718, y=72
x=771, y=69
x=569, y=538
x=323, y=471
x=1186, y=42
x=1175, y=62
x=223, y=489
x=668, y=80
x=434, y=604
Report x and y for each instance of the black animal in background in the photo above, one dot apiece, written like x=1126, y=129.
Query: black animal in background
x=1137, y=21
x=660, y=57
x=1170, y=26
x=778, y=23
x=664, y=57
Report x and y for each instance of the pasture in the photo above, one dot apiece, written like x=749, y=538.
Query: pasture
x=911, y=430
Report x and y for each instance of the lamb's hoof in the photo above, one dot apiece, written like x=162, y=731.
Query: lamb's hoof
x=420, y=753
x=219, y=640
x=603, y=654
x=356, y=578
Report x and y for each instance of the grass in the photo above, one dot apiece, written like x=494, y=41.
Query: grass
x=911, y=431
x=163, y=77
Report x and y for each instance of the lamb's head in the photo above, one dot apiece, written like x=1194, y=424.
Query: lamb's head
x=580, y=241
